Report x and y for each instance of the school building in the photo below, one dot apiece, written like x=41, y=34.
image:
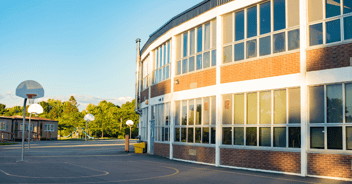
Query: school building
x=264, y=85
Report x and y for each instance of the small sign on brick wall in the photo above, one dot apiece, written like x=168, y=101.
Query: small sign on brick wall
x=193, y=85
x=192, y=152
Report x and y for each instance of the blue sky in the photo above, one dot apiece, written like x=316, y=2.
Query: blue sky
x=83, y=48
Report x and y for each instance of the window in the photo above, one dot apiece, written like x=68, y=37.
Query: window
x=161, y=114
x=330, y=116
x=2, y=125
x=330, y=25
x=162, y=63
x=265, y=118
x=26, y=127
x=49, y=128
x=268, y=28
x=197, y=120
x=198, y=48
x=143, y=124
x=145, y=73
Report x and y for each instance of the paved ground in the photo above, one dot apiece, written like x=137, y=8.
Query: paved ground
x=106, y=162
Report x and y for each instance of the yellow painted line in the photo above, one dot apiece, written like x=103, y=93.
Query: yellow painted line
x=105, y=173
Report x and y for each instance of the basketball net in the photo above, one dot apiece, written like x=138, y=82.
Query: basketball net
x=30, y=98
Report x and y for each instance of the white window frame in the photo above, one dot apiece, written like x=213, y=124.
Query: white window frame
x=194, y=126
x=195, y=54
x=166, y=45
x=259, y=36
x=324, y=21
x=159, y=137
x=272, y=125
x=325, y=124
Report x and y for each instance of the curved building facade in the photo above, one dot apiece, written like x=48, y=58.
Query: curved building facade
x=251, y=84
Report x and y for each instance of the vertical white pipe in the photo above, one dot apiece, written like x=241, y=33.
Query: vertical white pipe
x=218, y=92
x=172, y=104
x=304, y=89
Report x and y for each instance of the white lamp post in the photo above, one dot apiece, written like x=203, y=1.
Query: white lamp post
x=88, y=117
x=129, y=123
x=37, y=109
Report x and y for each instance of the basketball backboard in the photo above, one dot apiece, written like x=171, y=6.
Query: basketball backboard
x=35, y=108
x=30, y=89
x=89, y=117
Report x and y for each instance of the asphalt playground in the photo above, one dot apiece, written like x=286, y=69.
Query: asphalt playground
x=105, y=161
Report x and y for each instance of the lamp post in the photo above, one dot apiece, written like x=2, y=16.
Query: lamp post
x=37, y=109
x=129, y=123
x=88, y=117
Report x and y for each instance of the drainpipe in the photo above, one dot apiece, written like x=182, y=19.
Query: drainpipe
x=138, y=59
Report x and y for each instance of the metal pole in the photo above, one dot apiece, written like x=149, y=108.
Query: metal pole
x=86, y=133
x=29, y=130
x=130, y=132
x=23, y=125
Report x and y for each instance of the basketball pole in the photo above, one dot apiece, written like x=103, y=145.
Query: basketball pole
x=23, y=126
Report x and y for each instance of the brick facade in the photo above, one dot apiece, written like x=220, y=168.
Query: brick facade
x=330, y=57
x=145, y=95
x=259, y=159
x=261, y=68
x=162, y=149
x=332, y=165
x=196, y=80
x=161, y=88
x=202, y=154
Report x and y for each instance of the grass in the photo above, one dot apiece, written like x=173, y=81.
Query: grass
x=7, y=143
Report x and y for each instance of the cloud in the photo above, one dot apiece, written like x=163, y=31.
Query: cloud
x=10, y=99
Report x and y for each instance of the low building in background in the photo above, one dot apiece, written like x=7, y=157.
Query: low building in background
x=254, y=84
x=41, y=128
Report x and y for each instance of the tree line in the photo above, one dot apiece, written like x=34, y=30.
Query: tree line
x=110, y=119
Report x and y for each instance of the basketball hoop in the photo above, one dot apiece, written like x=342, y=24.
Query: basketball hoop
x=30, y=101
x=30, y=96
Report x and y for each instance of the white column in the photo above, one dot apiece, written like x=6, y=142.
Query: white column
x=218, y=93
x=149, y=114
x=172, y=104
x=304, y=90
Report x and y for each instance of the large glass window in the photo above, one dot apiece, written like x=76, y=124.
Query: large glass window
x=162, y=124
x=241, y=125
x=198, y=48
x=197, y=120
x=327, y=106
x=162, y=63
x=270, y=21
x=328, y=28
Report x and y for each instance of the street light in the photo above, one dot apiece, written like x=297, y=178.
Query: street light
x=88, y=117
x=129, y=123
x=37, y=109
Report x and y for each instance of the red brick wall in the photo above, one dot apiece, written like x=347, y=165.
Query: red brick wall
x=162, y=149
x=261, y=68
x=203, y=154
x=259, y=159
x=161, y=88
x=144, y=95
x=332, y=165
x=203, y=78
x=331, y=57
